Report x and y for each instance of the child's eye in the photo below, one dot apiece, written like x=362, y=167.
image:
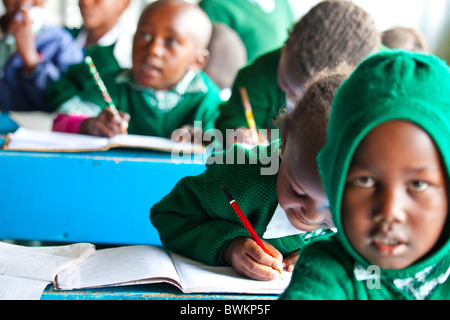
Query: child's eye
x=299, y=193
x=418, y=186
x=363, y=182
x=147, y=37
x=171, y=41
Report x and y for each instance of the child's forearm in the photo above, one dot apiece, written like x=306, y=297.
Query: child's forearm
x=68, y=123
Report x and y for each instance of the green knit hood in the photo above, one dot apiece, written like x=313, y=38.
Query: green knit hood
x=393, y=85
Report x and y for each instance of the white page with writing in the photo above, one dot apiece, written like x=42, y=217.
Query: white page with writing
x=119, y=266
x=199, y=277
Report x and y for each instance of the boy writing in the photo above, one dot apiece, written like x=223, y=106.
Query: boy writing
x=385, y=168
x=331, y=32
x=287, y=208
x=164, y=90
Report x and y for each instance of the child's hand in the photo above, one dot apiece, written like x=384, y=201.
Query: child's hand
x=108, y=124
x=25, y=41
x=248, y=138
x=289, y=262
x=188, y=134
x=249, y=259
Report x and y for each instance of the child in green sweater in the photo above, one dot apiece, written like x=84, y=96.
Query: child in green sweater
x=287, y=208
x=329, y=33
x=385, y=168
x=164, y=90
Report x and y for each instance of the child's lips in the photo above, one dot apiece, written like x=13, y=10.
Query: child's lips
x=305, y=224
x=389, y=246
x=150, y=68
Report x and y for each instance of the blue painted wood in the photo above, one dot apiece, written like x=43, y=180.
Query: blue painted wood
x=98, y=197
x=160, y=291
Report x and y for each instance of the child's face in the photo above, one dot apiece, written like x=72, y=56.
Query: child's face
x=101, y=13
x=12, y=6
x=165, y=47
x=299, y=187
x=395, y=200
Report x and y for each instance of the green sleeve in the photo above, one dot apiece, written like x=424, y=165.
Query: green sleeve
x=321, y=273
x=266, y=97
x=188, y=224
x=75, y=81
x=78, y=81
x=197, y=220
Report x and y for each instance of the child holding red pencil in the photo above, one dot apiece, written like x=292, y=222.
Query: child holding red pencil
x=287, y=210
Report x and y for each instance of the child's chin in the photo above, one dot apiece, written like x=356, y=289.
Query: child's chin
x=150, y=83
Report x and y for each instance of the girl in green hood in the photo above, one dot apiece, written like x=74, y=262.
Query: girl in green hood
x=385, y=169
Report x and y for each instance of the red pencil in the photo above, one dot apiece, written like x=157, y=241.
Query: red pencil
x=245, y=221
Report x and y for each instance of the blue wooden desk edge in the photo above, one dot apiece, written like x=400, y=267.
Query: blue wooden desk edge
x=159, y=291
x=68, y=195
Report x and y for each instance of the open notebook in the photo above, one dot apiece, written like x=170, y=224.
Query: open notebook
x=150, y=264
x=26, y=271
x=31, y=140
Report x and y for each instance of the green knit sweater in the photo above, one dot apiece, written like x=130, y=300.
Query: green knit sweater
x=387, y=86
x=326, y=272
x=260, y=31
x=266, y=97
x=196, y=219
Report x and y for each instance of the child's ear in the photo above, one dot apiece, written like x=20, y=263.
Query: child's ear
x=200, y=61
x=283, y=139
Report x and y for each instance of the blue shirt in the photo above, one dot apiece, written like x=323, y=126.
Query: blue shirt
x=25, y=92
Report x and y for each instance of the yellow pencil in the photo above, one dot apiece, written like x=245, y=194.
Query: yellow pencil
x=249, y=114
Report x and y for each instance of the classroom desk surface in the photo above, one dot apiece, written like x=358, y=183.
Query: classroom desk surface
x=159, y=291
x=96, y=197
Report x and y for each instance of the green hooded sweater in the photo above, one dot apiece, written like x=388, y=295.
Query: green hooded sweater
x=388, y=86
x=197, y=220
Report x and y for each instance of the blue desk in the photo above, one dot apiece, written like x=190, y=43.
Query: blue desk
x=96, y=197
x=160, y=291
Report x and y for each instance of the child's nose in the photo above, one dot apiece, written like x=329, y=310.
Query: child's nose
x=155, y=47
x=390, y=206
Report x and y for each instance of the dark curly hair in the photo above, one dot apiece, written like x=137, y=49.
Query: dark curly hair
x=331, y=32
x=314, y=107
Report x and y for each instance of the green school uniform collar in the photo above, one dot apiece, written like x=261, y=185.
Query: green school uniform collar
x=166, y=100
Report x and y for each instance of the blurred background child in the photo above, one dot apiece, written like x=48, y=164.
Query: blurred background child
x=101, y=27
x=227, y=55
x=386, y=169
x=34, y=51
x=263, y=25
x=404, y=38
x=331, y=32
x=165, y=89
